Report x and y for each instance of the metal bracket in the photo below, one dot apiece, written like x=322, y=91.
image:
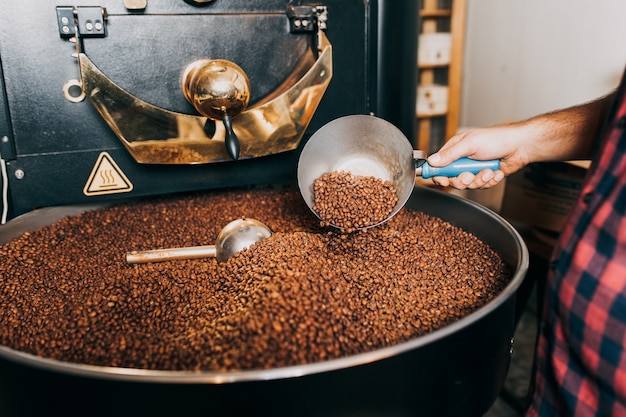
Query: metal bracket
x=89, y=21
x=308, y=18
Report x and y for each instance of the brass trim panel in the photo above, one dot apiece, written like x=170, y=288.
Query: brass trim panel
x=273, y=125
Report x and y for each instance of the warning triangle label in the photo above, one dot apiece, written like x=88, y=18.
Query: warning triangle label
x=106, y=178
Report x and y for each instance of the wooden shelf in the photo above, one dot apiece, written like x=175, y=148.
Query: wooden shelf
x=432, y=66
x=442, y=17
x=430, y=115
x=439, y=13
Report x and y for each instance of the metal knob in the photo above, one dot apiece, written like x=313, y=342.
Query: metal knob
x=220, y=90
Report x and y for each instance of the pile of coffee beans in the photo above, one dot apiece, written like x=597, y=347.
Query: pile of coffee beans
x=351, y=202
x=305, y=294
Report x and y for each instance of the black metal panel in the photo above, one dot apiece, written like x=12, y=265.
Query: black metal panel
x=56, y=142
x=6, y=142
x=397, y=64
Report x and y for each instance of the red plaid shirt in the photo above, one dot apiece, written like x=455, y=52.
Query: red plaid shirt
x=581, y=352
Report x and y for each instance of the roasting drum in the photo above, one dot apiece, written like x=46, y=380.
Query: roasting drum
x=457, y=370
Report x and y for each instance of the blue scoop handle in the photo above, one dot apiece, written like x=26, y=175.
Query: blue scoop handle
x=457, y=167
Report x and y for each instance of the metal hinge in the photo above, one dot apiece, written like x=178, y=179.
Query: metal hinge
x=307, y=18
x=89, y=21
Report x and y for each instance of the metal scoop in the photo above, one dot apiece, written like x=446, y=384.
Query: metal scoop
x=370, y=146
x=234, y=237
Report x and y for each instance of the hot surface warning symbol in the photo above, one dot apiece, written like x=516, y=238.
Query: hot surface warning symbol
x=106, y=178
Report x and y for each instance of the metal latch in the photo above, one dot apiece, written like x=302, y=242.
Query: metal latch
x=90, y=21
x=307, y=18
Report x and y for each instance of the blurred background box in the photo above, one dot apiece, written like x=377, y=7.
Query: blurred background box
x=432, y=99
x=542, y=194
x=434, y=48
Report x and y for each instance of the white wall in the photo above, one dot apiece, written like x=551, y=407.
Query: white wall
x=524, y=57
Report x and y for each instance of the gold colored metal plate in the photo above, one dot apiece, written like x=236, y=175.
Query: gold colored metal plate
x=135, y=4
x=153, y=135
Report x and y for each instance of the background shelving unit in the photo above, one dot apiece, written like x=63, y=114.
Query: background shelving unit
x=440, y=63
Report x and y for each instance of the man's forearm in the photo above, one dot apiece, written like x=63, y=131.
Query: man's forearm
x=570, y=133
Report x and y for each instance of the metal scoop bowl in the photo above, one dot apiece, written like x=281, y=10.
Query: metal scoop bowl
x=370, y=146
x=234, y=237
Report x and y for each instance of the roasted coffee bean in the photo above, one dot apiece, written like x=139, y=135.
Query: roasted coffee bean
x=304, y=295
x=351, y=202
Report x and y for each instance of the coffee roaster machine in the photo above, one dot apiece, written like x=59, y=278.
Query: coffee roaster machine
x=108, y=100
x=115, y=99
